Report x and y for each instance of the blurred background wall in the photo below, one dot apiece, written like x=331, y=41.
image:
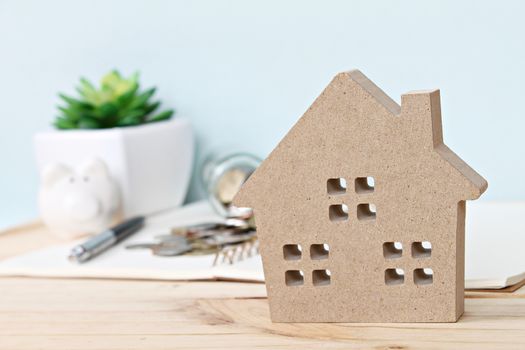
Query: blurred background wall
x=245, y=71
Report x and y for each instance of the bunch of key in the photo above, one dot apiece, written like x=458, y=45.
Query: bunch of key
x=231, y=241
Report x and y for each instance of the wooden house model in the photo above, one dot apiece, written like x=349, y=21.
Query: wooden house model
x=360, y=210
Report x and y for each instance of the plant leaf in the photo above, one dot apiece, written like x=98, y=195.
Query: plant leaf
x=142, y=99
x=152, y=107
x=106, y=110
x=88, y=91
x=72, y=114
x=89, y=123
x=129, y=121
x=64, y=124
x=161, y=116
x=135, y=114
x=117, y=102
x=125, y=99
x=110, y=80
x=74, y=102
x=135, y=77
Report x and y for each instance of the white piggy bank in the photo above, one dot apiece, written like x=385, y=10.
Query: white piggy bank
x=75, y=203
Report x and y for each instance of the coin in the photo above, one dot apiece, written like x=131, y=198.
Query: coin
x=229, y=184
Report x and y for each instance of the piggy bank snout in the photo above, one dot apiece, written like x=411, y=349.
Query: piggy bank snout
x=81, y=206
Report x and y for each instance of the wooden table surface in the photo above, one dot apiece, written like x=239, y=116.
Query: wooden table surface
x=119, y=314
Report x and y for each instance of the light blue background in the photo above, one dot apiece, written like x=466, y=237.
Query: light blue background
x=244, y=71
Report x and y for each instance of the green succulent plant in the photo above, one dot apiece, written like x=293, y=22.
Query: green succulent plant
x=118, y=102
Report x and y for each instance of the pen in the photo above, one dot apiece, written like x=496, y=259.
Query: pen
x=105, y=240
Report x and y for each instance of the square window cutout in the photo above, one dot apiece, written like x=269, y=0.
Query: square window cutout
x=319, y=251
x=336, y=186
x=421, y=249
x=394, y=277
x=366, y=211
x=423, y=276
x=294, y=278
x=338, y=212
x=292, y=251
x=392, y=250
x=321, y=277
x=364, y=184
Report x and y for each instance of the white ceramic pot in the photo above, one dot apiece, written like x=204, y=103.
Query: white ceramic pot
x=151, y=163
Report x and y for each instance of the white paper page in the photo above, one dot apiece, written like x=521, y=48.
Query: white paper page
x=119, y=262
x=495, y=241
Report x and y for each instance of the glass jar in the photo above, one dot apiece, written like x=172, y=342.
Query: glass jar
x=222, y=176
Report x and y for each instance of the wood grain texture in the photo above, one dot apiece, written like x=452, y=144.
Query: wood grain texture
x=25, y=238
x=81, y=314
x=96, y=314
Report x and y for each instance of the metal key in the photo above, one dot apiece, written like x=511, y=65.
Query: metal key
x=174, y=240
x=171, y=250
x=204, y=229
x=205, y=238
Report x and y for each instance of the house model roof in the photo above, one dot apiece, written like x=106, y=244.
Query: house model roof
x=418, y=119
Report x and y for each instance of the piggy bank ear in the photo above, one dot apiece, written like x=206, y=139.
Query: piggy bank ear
x=53, y=173
x=94, y=168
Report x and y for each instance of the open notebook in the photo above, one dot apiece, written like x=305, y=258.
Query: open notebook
x=119, y=262
x=494, y=253
x=495, y=240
